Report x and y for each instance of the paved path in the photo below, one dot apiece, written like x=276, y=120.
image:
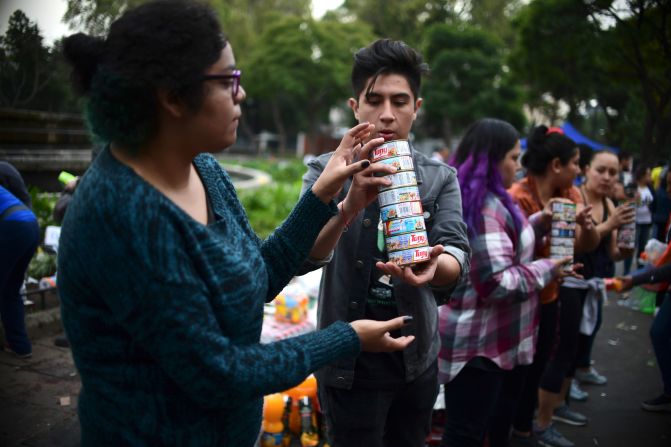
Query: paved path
x=30, y=392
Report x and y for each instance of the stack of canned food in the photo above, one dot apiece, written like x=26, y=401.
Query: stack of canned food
x=401, y=210
x=562, y=236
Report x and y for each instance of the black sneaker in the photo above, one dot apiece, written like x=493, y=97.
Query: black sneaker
x=567, y=416
x=659, y=403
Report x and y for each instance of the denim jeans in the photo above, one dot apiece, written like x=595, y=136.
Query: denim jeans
x=660, y=334
x=18, y=242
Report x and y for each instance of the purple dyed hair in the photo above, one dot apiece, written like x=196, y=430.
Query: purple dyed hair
x=484, y=145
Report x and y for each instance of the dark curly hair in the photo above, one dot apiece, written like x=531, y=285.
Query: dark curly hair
x=386, y=56
x=163, y=44
x=543, y=146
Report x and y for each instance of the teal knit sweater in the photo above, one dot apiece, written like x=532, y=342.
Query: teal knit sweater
x=164, y=314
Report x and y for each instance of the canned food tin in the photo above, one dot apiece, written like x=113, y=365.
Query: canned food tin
x=626, y=234
x=406, y=241
x=392, y=148
x=401, y=210
x=409, y=257
x=398, y=195
x=562, y=233
x=400, y=179
x=399, y=226
x=403, y=163
x=563, y=212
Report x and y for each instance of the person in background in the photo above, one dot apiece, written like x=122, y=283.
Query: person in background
x=442, y=154
x=585, y=157
x=551, y=161
x=601, y=174
x=387, y=399
x=19, y=238
x=662, y=205
x=644, y=198
x=625, y=178
x=660, y=333
x=162, y=280
x=488, y=328
x=656, y=174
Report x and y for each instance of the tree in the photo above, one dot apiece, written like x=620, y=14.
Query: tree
x=617, y=52
x=467, y=81
x=637, y=56
x=32, y=76
x=402, y=20
x=96, y=16
x=300, y=68
x=555, y=53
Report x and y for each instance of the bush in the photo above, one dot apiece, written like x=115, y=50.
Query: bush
x=267, y=207
x=43, y=263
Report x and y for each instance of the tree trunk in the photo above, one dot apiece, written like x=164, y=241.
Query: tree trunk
x=279, y=126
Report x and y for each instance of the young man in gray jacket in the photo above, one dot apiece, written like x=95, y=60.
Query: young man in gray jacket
x=379, y=399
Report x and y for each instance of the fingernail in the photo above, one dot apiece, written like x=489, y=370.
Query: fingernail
x=408, y=319
x=365, y=164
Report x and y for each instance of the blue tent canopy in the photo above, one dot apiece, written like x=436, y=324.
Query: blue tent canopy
x=579, y=138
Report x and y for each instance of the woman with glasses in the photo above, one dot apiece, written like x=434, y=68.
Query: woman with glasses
x=162, y=280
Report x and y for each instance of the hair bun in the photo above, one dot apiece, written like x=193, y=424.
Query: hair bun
x=83, y=53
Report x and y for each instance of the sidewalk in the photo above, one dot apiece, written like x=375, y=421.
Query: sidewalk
x=31, y=392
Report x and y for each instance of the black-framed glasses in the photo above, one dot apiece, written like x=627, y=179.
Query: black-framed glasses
x=234, y=77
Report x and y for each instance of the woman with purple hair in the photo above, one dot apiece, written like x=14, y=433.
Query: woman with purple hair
x=488, y=329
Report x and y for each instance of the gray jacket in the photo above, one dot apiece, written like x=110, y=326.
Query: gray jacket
x=347, y=274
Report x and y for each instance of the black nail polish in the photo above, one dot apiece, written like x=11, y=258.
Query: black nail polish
x=407, y=319
x=365, y=164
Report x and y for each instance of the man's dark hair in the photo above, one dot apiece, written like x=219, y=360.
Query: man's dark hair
x=163, y=44
x=386, y=56
x=623, y=155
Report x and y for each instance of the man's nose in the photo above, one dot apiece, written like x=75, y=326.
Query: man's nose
x=387, y=112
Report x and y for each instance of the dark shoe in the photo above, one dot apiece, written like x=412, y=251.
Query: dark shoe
x=523, y=441
x=550, y=437
x=9, y=350
x=62, y=342
x=567, y=416
x=659, y=403
x=591, y=377
x=576, y=393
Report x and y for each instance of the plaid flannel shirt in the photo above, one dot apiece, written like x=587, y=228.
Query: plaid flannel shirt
x=493, y=312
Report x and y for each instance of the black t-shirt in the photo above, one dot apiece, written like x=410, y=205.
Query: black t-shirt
x=380, y=370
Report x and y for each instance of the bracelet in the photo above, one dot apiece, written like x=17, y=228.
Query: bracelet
x=341, y=209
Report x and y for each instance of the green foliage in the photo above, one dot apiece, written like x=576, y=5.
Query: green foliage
x=556, y=51
x=95, y=16
x=299, y=69
x=43, y=207
x=467, y=80
x=267, y=207
x=43, y=264
x=617, y=52
x=32, y=75
x=404, y=20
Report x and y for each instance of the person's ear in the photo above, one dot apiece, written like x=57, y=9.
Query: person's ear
x=418, y=104
x=170, y=103
x=555, y=165
x=354, y=105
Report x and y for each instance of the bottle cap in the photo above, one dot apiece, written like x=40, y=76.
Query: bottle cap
x=65, y=177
